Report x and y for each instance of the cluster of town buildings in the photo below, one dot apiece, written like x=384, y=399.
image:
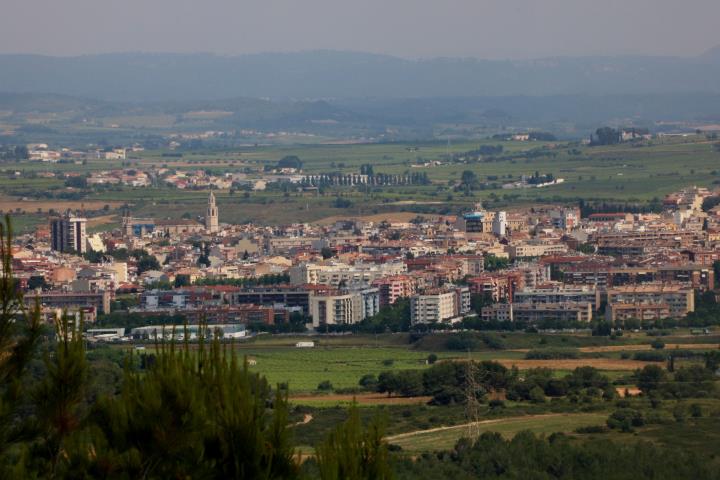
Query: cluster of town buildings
x=42, y=152
x=539, y=264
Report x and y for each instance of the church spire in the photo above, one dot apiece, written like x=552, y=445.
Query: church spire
x=211, y=217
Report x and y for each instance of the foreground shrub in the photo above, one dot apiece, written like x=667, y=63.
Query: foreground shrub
x=650, y=356
x=625, y=419
x=526, y=456
x=353, y=452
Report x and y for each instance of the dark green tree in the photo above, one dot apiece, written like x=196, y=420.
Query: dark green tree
x=290, y=161
x=194, y=414
x=20, y=334
x=354, y=452
x=650, y=378
x=607, y=136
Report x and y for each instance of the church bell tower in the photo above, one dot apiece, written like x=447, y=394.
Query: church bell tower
x=211, y=217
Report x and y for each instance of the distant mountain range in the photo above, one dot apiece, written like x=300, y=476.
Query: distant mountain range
x=567, y=116
x=141, y=77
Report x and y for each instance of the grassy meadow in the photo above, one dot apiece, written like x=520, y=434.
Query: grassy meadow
x=445, y=438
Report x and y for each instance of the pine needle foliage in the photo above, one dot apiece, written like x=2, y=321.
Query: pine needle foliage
x=20, y=333
x=352, y=452
x=58, y=399
x=195, y=414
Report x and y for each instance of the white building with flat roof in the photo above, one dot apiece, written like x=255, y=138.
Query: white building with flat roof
x=344, y=307
x=440, y=306
x=178, y=332
x=336, y=273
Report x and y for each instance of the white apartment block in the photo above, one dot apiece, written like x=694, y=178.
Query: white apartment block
x=439, y=306
x=344, y=308
x=673, y=300
x=528, y=250
x=432, y=308
x=558, y=294
x=535, y=313
x=336, y=273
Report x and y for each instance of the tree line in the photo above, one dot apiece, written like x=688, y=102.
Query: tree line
x=557, y=456
x=14, y=153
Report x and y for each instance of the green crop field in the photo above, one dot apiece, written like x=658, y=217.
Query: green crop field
x=303, y=369
x=344, y=359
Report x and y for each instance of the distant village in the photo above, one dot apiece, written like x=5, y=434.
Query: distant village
x=538, y=266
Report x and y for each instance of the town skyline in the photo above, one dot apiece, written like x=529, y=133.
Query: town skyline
x=341, y=240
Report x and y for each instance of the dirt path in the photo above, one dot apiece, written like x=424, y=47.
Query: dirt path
x=361, y=399
x=399, y=217
x=631, y=391
x=102, y=220
x=306, y=419
x=668, y=346
x=572, y=364
x=465, y=425
x=33, y=206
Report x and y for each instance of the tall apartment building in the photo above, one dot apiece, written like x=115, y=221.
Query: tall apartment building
x=67, y=234
x=343, y=307
x=393, y=288
x=439, y=305
x=498, y=286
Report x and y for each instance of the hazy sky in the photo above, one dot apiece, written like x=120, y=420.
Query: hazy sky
x=408, y=28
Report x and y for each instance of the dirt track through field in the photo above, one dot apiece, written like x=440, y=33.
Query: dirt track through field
x=32, y=206
x=633, y=348
x=571, y=364
x=399, y=217
x=306, y=419
x=361, y=399
x=465, y=425
x=103, y=220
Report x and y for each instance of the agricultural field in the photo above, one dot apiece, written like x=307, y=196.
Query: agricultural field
x=342, y=360
x=634, y=173
x=44, y=206
x=418, y=424
x=304, y=369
